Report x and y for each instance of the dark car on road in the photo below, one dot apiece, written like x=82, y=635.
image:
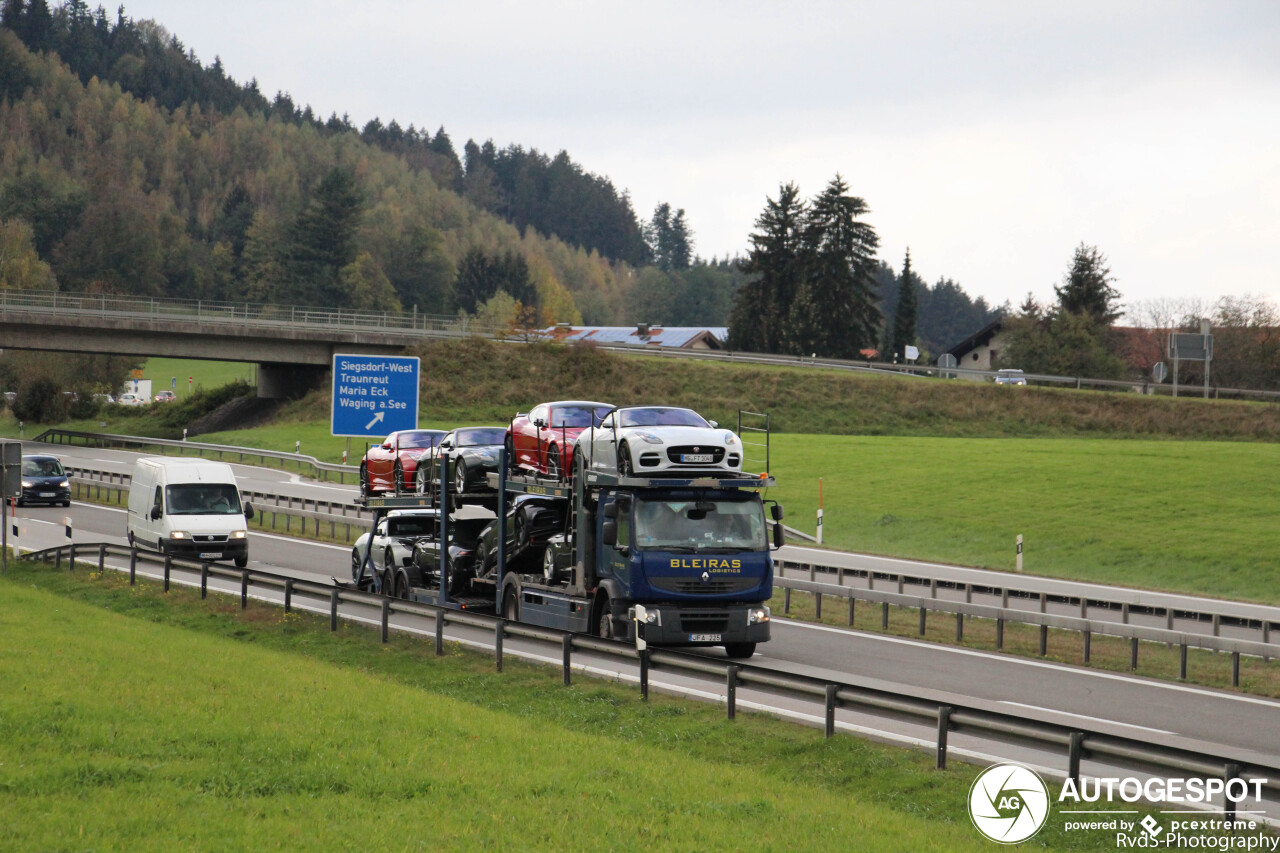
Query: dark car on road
x=44, y=482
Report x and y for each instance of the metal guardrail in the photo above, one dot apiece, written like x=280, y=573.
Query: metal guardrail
x=1175, y=754
x=1002, y=615
x=321, y=470
x=245, y=314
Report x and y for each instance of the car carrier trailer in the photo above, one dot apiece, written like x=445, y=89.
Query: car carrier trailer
x=693, y=551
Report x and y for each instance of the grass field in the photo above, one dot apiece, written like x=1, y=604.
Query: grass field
x=149, y=722
x=204, y=374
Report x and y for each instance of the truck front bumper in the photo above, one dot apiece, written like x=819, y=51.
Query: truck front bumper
x=687, y=625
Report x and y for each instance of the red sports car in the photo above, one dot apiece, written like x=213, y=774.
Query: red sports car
x=542, y=441
x=396, y=460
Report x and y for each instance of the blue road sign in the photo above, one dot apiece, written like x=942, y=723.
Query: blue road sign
x=374, y=395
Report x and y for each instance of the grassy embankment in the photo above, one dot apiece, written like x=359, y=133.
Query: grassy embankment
x=149, y=721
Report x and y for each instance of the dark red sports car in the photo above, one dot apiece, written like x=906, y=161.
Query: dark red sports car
x=542, y=440
x=396, y=460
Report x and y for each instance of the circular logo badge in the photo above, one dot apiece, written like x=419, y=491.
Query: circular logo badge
x=1008, y=803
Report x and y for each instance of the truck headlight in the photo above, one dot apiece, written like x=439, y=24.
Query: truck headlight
x=28, y=484
x=179, y=534
x=65, y=484
x=757, y=615
x=237, y=534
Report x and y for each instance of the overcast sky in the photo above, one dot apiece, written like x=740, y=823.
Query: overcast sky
x=989, y=137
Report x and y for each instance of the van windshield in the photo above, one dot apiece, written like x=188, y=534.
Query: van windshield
x=202, y=499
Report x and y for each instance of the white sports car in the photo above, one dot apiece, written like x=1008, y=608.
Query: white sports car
x=654, y=440
x=393, y=540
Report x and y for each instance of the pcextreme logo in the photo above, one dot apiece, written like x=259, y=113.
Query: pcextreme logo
x=1008, y=803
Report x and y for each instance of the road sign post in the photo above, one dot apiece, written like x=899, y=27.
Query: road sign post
x=374, y=395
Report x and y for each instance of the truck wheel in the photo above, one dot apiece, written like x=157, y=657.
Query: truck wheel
x=388, y=561
x=740, y=650
x=402, y=586
x=625, y=468
x=511, y=607
x=604, y=620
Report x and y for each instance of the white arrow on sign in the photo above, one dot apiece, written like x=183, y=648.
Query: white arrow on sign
x=376, y=418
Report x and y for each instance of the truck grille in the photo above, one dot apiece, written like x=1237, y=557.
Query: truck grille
x=707, y=622
x=695, y=586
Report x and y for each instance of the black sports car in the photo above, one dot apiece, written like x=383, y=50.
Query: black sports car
x=475, y=455
x=44, y=482
x=531, y=521
x=463, y=533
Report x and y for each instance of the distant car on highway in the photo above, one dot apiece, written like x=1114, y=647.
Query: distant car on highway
x=166, y=397
x=1010, y=376
x=130, y=399
x=44, y=482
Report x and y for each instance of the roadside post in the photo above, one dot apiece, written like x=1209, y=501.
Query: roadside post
x=1019, y=552
x=12, y=460
x=819, y=510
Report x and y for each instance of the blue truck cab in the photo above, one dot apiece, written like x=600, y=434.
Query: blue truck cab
x=695, y=553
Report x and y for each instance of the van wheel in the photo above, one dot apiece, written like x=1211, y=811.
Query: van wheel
x=241, y=562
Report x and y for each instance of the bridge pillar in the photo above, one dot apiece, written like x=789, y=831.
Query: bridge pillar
x=278, y=381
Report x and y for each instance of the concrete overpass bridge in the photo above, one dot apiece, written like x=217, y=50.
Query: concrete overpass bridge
x=293, y=346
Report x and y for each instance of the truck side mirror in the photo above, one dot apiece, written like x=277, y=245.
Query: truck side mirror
x=248, y=511
x=611, y=510
x=609, y=533
x=778, y=533
x=156, y=512
x=777, y=511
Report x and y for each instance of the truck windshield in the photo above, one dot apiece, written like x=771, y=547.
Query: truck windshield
x=202, y=499
x=736, y=525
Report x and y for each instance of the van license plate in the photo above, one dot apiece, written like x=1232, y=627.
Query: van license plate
x=704, y=638
x=696, y=457
x=211, y=555
x=48, y=494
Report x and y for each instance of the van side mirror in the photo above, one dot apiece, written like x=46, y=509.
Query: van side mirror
x=156, y=512
x=609, y=533
x=248, y=511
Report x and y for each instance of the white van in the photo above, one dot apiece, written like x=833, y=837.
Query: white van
x=189, y=508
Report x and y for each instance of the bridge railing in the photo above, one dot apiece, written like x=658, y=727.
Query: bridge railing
x=201, y=311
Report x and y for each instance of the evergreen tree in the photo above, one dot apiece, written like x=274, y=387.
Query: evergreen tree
x=322, y=243
x=1086, y=287
x=835, y=314
x=904, y=315
x=669, y=238
x=762, y=305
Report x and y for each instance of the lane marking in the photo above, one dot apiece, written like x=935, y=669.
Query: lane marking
x=1164, y=685
x=1087, y=717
